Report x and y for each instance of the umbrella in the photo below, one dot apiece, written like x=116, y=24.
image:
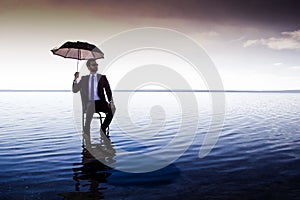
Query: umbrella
x=78, y=50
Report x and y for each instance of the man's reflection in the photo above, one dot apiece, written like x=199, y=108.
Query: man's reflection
x=93, y=169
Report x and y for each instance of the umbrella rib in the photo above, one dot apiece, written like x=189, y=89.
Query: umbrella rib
x=93, y=54
x=69, y=49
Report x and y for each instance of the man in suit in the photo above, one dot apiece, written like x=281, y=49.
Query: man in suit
x=91, y=89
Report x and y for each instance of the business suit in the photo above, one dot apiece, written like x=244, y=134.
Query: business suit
x=90, y=107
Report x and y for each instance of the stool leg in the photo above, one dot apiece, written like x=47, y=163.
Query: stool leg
x=100, y=118
x=82, y=121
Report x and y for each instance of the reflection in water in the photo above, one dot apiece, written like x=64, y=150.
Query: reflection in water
x=92, y=172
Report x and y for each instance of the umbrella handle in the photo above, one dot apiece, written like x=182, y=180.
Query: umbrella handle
x=77, y=65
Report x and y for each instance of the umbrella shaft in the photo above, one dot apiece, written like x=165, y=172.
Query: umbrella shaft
x=77, y=64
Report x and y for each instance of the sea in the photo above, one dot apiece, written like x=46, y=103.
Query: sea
x=256, y=155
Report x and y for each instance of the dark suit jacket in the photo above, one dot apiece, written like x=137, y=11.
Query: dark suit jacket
x=83, y=87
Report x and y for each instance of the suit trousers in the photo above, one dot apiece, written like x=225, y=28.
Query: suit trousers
x=98, y=106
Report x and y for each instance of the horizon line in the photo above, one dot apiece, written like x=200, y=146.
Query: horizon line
x=155, y=90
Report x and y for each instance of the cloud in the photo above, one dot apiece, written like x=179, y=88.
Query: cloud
x=209, y=34
x=249, y=43
x=289, y=40
x=295, y=67
x=277, y=64
x=293, y=34
x=238, y=39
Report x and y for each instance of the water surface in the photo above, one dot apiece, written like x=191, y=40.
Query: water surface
x=256, y=157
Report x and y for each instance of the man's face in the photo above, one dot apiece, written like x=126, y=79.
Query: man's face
x=93, y=67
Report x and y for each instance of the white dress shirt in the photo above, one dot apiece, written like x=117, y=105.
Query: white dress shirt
x=96, y=97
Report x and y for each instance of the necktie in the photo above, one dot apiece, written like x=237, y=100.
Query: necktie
x=92, y=88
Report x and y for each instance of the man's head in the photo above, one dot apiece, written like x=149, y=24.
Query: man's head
x=92, y=65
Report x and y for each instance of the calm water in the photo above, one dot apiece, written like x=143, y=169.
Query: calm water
x=256, y=157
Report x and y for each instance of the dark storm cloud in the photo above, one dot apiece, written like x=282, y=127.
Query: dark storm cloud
x=280, y=12
x=284, y=13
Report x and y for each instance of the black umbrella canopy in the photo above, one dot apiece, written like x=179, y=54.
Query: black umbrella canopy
x=78, y=50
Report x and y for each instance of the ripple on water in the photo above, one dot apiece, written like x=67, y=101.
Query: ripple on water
x=257, y=154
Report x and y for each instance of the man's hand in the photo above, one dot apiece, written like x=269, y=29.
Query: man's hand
x=76, y=75
x=110, y=103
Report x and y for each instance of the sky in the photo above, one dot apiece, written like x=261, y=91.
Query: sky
x=254, y=44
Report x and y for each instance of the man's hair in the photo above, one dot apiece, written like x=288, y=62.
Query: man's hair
x=88, y=62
